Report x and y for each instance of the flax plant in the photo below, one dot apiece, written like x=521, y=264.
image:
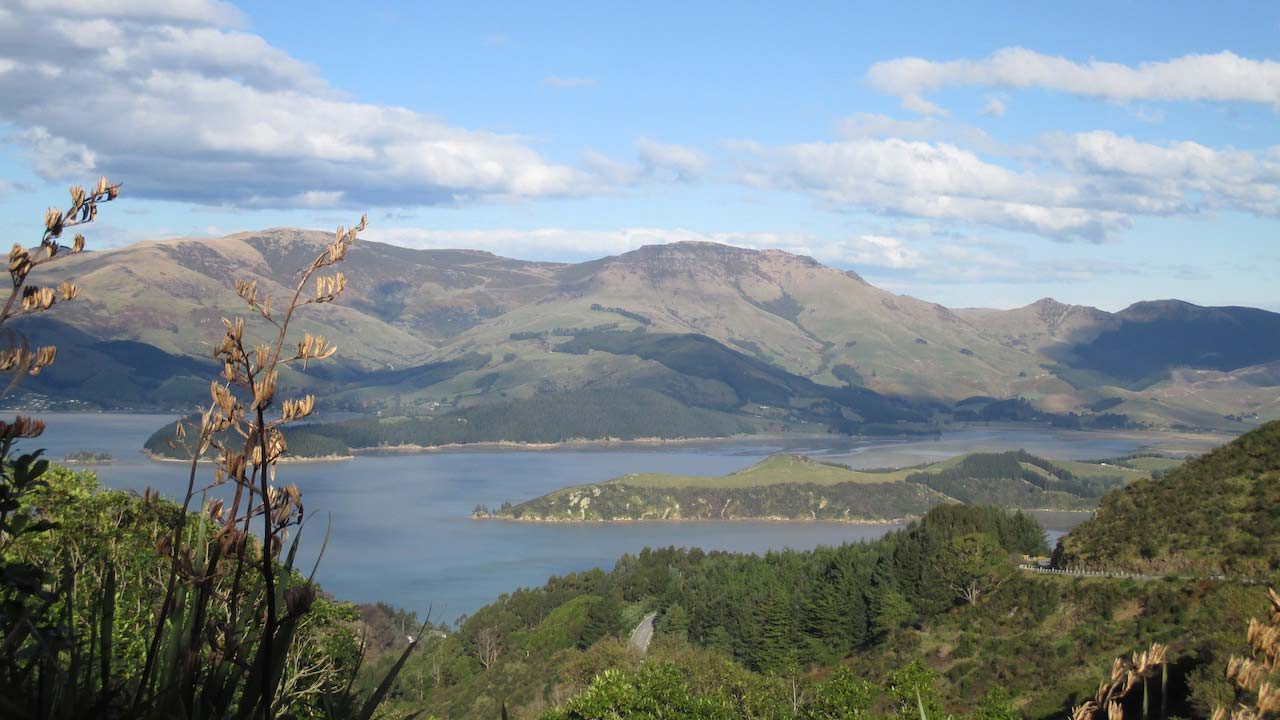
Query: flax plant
x=224, y=639
x=1255, y=678
x=233, y=630
x=1108, y=701
x=26, y=600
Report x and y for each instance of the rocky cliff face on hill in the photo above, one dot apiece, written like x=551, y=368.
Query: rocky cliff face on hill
x=497, y=322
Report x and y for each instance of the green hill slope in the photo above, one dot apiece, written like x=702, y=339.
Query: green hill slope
x=1218, y=514
x=792, y=487
x=553, y=418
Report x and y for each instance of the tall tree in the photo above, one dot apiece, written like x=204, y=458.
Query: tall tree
x=604, y=619
x=971, y=565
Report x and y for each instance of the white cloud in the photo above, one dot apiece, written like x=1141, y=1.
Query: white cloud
x=656, y=161
x=684, y=163
x=1083, y=186
x=934, y=181
x=8, y=187
x=862, y=125
x=1179, y=177
x=556, y=81
x=170, y=99
x=996, y=106
x=1221, y=77
x=977, y=261
x=1147, y=114
x=858, y=251
x=179, y=11
x=878, y=251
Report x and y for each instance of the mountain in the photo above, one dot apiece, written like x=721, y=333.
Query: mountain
x=787, y=310
x=1041, y=327
x=422, y=332
x=1152, y=338
x=1217, y=514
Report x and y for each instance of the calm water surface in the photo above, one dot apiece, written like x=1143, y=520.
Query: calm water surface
x=401, y=526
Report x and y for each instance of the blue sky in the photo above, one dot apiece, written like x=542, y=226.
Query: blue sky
x=990, y=156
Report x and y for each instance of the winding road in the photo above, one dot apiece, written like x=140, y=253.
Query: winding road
x=643, y=633
x=1129, y=576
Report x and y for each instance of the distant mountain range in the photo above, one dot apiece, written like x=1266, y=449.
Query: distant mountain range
x=774, y=338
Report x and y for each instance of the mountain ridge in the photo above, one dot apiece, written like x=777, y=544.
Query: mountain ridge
x=407, y=307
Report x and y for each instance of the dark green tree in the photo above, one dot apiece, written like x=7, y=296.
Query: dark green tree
x=835, y=614
x=675, y=622
x=772, y=646
x=604, y=619
x=889, y=611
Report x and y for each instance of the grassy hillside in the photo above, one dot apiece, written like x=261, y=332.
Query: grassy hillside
x=773, y=470
x=751, y=380
x=798, y=488
x=1217, y=514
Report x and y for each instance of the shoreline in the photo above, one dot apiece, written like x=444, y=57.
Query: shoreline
x=634, y=521
x=1160, y=442
x=859, y=521
x=590, y=443
x=284, y=460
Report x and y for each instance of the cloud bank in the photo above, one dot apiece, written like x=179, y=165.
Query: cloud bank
x=1220, y=77
x=170, y=98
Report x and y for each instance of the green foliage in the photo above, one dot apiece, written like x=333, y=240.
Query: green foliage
x=85, y=457
x=303, y=442
x=751, y=379
x=704, y=687
x=774, y=615
x=104, y=610
x=795, y=487
x=889, y=611
x=620, y=414
x=842, y=696
x=623, y=312
x=914, y=692
x=1227, y=518
x=703, y=690
x=1019, y=409
x=848, y=375
x=996, y=705
x=841, y=501
x=1015, y=479
x=972, y=564
x=675, y=622
x=604, y=619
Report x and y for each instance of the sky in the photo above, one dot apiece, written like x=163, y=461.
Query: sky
x=1097, y=153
